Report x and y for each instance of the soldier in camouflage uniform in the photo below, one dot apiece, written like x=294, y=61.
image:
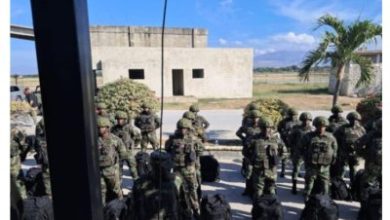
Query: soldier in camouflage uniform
x=284, y=128
x=336, y=119
x=111, y=150
x=246, y=120
x=101, y=110
x=370, y=148
x=246, y=133
x=346, y=137
x=149, y=202
x=293, y=139
x=200, y=123
x=265, y=149
x=182, y=148
x=148, y=123
x=41, y=156
x=123, y=130
x=320, y=151
x=18, y=145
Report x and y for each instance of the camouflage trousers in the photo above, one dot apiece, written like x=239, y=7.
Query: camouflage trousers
x=264, y=181
x=198, y=177
x=190, y=186
x=321, y=174
x=16, y=174
x=338, y=169
x=149, y=137
x=131, y=163
x=297, y=164
x=110, y=183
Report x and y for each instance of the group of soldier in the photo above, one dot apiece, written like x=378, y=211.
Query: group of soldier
x=325, y=149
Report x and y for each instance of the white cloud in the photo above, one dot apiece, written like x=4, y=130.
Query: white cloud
x=238, y=43
x=222, y=41
x=291, y=37
x=226, y=3
x=259, y=52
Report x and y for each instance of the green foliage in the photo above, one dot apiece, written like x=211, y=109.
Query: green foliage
x=274, y=109
x=368, y=108
x=126, y=95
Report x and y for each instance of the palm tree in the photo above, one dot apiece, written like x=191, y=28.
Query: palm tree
x=338, y=48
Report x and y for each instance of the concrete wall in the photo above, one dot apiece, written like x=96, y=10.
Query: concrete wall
x=123, y=36
x=227, y=72
x=351, y=77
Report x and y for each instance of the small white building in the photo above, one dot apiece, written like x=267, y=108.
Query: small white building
x=190, y=68
x=352, y=75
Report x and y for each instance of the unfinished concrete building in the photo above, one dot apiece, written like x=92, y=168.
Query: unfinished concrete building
x=190, y=67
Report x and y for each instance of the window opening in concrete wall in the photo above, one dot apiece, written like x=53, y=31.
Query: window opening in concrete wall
x=177, y=82
x=136, y=74
x=197, y=73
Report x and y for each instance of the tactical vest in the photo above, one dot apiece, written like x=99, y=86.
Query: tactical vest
x=374, y=151
x=146, y=122
x=183, y=152
x=350, y=137
x=265, y=154
x=107, y=153
x=320, y=152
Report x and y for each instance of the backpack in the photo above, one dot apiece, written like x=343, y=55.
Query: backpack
x=372, y=208
x=115, y=210
x=34, y=182
x=38, y=208
x=320, y=207
x=339, y=189
x=143, y=163
x=215, y=208
x=267, y=207
x=209, y=168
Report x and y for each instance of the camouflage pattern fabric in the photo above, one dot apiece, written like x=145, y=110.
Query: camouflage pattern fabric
x=284, y=128
x=335, y=121
x=200, y=125
x=320, y=151
x=42, y=154
x=16, y=147
x=148, y=123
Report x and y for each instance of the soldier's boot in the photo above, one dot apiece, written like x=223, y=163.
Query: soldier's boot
x=283, y=169
x=294, y=187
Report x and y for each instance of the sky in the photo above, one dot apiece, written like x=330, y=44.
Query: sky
x=280, y=32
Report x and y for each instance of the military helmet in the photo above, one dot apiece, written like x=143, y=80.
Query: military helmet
x=336, y=109
x=103, y=122
x=101, y=105
x=354, y=116
x=292, y=111
x=255, y=114
x=320, y=121
x=252, y=106
x=266, y=123
x=194, y=108
x=146, y=105
x=189, y=115
x=305, y=116
x=184, y=123
x=121, y=115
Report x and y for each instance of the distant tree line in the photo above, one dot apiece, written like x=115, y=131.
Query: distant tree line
x=293, y=68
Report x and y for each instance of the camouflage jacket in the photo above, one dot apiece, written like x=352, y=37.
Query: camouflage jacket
x=183, y=150
x=17, y=146
x=265, y=152
x=111, y=149
x=124, y=133
x=347, y=136
x=295, y=137
x=319, y=149
x=335, y=122
x=147, y=122
x=200, y=124
x=369, y=146
x=284, y=128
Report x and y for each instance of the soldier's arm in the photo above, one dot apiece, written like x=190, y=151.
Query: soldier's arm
x=157, y=121
x=121, y=149
x=335, y=148
x=303, y=146
x=168, y=145
x=240, y=133
x=206, y=124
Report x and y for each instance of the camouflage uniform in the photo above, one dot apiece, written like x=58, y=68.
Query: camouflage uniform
x=151, y=203
x=320, y=151
x=346, y=137
x=265, y=150
x=42, y=156
x=284, y=128
x=123, y=132
x=17, y=146
x=200, y=124
x=336, y=120
x=246, y=134
x=111, y=149
x=182, y=148
x=148, y=123
x=293, y=139
x=370, y=147
x=101, y=111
